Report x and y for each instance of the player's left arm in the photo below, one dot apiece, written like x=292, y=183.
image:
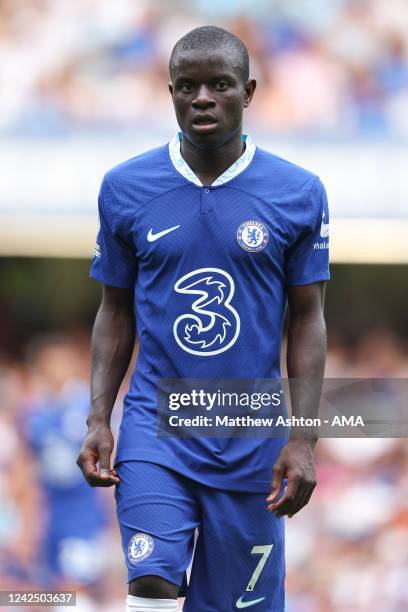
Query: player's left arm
x=306, y=353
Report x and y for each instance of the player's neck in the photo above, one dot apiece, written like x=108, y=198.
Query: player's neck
x=209, y=164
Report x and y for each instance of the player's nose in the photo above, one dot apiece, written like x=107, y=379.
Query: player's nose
x=203, y=98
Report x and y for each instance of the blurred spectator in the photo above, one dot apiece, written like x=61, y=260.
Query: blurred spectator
x=74, y=540
x=20, y=496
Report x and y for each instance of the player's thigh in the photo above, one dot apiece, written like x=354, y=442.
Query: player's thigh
x=157, y=515
x=239, y=556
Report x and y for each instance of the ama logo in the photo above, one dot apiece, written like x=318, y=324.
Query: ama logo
x=212, y=326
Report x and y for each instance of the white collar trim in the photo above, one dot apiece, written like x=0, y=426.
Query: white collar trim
x=237, y=167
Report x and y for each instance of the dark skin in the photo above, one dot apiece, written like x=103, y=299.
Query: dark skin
x=210, y=85
x=305, y=359
x=209, y=97
x=113, y=340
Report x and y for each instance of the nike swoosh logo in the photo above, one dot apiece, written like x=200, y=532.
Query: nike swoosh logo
x=246, y=604
x=152, y=237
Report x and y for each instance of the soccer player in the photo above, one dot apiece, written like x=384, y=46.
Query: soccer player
x=208, y=212
x=76, y=519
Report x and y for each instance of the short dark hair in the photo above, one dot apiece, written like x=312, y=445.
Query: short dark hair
x=209, y=38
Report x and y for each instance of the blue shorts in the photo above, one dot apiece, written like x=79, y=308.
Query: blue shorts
x=239, y=553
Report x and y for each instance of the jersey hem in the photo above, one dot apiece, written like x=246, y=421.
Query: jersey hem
x=111, y=282
x=246, y=486
x=308, y=280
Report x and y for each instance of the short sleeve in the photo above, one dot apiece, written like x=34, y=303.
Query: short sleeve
x=308, y=258
x=114, y=262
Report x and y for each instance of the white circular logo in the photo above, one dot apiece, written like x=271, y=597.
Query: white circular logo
x=140, y=547
x=252, y=236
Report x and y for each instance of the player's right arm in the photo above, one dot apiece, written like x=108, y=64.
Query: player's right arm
x=113, y=340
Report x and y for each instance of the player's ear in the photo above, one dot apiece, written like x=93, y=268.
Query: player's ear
x=249, y=90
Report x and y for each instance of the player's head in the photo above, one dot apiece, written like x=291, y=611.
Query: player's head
x=210, y=85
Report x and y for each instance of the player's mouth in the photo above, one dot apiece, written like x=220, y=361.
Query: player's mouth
x=204, y=123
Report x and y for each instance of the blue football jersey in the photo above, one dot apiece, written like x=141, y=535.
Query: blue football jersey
x=209, y=266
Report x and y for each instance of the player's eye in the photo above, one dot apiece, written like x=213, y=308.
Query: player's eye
x=221, y=85
x=186, y=87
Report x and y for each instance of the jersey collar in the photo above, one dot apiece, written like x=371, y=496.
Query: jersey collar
x=231, y=172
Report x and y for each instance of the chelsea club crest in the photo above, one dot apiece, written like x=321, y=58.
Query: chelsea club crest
x=252, y=236
x=140, y=547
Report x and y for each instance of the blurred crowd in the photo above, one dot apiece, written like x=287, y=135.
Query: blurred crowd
x=324, y=68
x=346, y=552
x=56, y=532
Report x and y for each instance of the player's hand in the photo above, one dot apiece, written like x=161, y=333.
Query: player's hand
x=296, y=463
x=95, y=456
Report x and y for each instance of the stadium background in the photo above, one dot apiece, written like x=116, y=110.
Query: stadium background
x=83, y=86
